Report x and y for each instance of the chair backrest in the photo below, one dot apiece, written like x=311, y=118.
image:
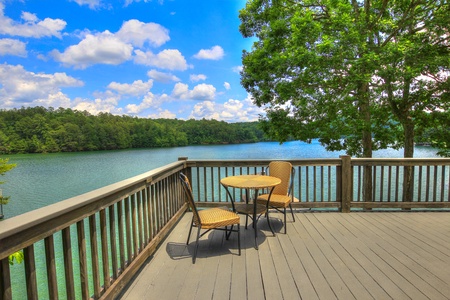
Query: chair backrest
x=190, y=197
x=284, y=171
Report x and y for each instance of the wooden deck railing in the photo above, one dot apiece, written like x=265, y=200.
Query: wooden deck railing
x=338, y=183
x=91, y=245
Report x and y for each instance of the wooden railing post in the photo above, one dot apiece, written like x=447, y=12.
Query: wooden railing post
x=188, y=170
x=346, y=183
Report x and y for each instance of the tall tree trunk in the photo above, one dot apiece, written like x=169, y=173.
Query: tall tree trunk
x=366, y=142
x=408, y=172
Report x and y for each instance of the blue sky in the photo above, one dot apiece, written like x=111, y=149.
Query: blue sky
x=152, y=59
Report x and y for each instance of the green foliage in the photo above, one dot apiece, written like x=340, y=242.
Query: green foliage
x=5, y=166
x=357, y=75
x=16, y=257
x=41, y=130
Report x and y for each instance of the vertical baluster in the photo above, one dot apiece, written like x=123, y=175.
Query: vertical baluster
x=128, y=231
x=105, y=254
x=51, y=267
x=134, y=228
x=5, y=280
x=374, y=184
x=389, y=183
x=448, y=190
x=120, y=217
x=427, y=187
x=307, y=183
x=151, y=212
x=145, y=216
x=435, y=183
x=212, y=186
x=329, y=183
x=94, y=255
x=198, y=184
x=300, y=186
x=158, y=205
x=315, y=183
x=322, y=188
x=397, y=182
x=30, y=272
x=359, y=183
x=82, y=260
x=219, y=175
x=442, y=183
x=419, y=190
x=382, y=184
x=112, y=237
x=68, y=267
x=139, y=219
x=165, y=193
x=205, y=185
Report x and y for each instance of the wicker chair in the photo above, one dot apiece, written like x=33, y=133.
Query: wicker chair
x=218, y=218
x=282, y=195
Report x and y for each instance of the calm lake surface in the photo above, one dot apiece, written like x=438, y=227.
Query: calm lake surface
x=43, y=179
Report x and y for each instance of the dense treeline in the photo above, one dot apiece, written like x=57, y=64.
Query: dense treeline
x=41, y=130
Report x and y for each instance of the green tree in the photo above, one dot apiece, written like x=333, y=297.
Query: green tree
x=4, y=167
x=357, y=75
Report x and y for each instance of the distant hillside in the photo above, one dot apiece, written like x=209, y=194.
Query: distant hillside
x=41, y=130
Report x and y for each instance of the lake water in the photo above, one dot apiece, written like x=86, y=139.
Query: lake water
x=43, y=179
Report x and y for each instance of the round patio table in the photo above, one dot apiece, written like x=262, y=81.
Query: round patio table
x=250, y=182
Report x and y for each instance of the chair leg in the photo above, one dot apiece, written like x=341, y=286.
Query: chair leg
x=268, y=221
x=239, y=238
x=190, y=230
x=196, y=246
x=246, y=221
x=285, y=227
x=228, y=233
x=292, y=212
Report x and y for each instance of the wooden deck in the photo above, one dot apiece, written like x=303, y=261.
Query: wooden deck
x=367, y=255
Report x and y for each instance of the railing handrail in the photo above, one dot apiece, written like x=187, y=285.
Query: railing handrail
x=399, y=161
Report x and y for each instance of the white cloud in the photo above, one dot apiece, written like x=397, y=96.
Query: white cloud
x=230, y=111
x=215, y=53
x=200, y=92
x=93, y=4
x=19, y=87
x=237, y=69
x=226, y=85
x=128, y=2
x=31, y=25
x=162, y=77
x=203, y=92
x=180, y=91
x=162, y=114
x=138, y=33
x=12, y=47
x=137, y=88
x=197, y=77
x=104, y=48
x=170, y=59
x=148, y=101
x=107, y=105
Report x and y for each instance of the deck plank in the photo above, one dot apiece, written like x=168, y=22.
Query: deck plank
x=324, y=255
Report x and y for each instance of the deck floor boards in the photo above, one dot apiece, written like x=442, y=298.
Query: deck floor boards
x=324, y=255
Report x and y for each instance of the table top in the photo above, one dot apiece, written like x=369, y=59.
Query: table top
x=250, y=181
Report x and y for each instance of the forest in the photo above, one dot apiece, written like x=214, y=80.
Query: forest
x=46, y=130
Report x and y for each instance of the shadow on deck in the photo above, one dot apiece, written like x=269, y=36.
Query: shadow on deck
x=376, y=255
